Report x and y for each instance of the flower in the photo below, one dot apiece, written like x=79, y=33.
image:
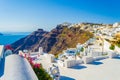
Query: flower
x=8, y=47
x=36, y=65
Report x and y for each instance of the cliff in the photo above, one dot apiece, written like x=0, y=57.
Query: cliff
x=55, y=41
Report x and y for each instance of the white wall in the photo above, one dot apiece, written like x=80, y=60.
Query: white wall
x=1, y=51
x=117, y=49
x=106, y=46
x=18, y=68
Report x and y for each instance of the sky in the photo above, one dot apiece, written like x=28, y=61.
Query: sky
x=29, y=15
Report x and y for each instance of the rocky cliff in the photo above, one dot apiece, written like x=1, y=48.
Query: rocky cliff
x=55, y=41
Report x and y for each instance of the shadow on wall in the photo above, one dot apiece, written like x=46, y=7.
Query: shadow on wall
x=66, y=78
x=2, y=64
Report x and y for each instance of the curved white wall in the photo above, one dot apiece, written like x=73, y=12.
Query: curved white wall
x=18, y=68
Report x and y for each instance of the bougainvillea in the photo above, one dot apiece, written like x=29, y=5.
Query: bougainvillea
x=39, y=70
x=8, y=47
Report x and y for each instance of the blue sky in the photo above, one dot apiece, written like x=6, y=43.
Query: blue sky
x=29, y=15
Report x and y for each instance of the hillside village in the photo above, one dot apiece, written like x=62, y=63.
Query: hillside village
x=96, y=53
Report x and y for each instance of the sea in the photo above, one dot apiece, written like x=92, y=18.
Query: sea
x=10, y=37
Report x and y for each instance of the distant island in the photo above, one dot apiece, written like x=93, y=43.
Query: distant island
x=1, y=34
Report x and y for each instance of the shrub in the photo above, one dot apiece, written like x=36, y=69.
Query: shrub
x=56, y=55
x=41, y=73
x=82, y=49
x=112, y=47
x=78, y=53
x=63, y=35
x=118, y=45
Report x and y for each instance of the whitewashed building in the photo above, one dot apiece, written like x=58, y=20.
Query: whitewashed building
x=1, y=52
x=41, y=50
x=116, y=24
x=94, y=50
